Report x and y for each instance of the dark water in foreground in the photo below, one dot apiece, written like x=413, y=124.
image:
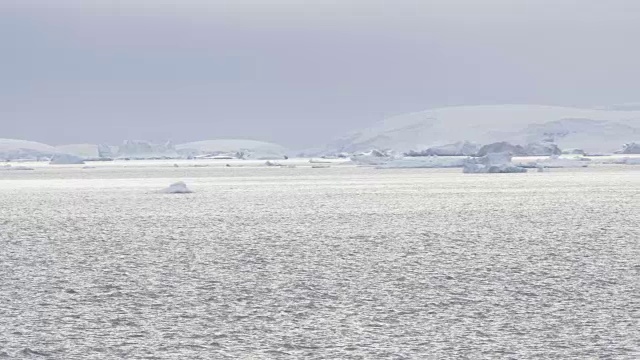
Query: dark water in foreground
x=340, y=263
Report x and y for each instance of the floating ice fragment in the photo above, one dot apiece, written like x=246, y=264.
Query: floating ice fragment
x=177, y=188
x=66, y=159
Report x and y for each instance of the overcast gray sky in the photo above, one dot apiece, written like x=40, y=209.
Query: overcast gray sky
x=297, y=72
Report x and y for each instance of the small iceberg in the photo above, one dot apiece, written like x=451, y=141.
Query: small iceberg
x=66, y=159
x=177, y=188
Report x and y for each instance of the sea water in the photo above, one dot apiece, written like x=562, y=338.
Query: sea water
x=334, y=263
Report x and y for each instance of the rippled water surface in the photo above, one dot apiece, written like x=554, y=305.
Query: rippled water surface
x=338, y=263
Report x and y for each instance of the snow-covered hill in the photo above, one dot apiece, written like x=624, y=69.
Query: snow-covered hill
x=13, y=149
x=250, y=149
x=594, y=130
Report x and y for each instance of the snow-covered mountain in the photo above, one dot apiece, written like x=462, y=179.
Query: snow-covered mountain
x=594, y=130
x=13, y=149
x=249, y=149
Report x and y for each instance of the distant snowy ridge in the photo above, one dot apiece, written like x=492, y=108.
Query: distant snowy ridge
x=594, y=130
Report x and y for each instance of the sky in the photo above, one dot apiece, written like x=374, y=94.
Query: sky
x=297, y=72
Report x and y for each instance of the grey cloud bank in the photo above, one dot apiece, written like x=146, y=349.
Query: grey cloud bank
x=297, y=73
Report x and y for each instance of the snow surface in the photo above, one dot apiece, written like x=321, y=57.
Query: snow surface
x=66, y=159
x=238, y=148
x=590, y=129
x=177, y=188
x=13, y=149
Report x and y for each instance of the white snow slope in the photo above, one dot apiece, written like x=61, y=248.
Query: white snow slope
x=598, y=131
x=12, y=149
x=251, y=148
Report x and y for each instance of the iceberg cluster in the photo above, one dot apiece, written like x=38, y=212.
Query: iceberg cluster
x=492, y=163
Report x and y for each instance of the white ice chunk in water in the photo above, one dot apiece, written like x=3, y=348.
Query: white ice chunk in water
x=177, y=188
